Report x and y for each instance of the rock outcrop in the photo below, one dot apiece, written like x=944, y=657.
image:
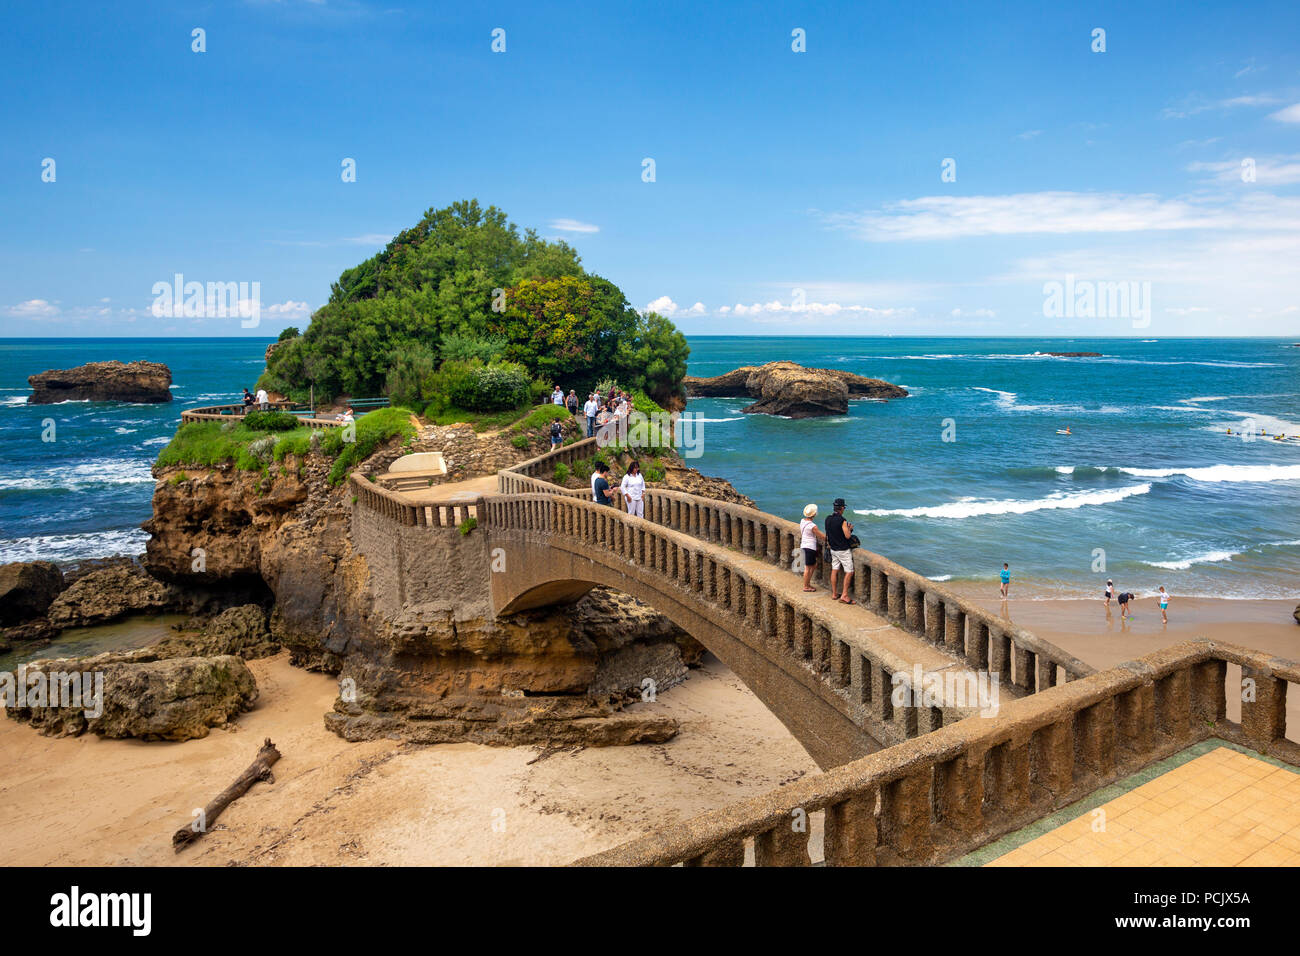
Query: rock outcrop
x=1074, y=354
x=130, y=695
x=790, y=390
x=103, y=382
x=243, y=631
x=108, y=593
x=1296, y=614
x=27, y=588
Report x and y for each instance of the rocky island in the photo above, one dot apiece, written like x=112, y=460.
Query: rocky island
x=1073, y=354
x=789, y=389
x=143, y=382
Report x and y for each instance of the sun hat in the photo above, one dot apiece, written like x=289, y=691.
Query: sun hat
x=809, y=511
x=837, y=503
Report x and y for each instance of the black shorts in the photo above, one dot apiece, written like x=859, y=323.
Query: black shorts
x=809, y=557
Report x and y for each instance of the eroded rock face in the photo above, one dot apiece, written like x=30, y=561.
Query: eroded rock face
x=242, y=631
x=109, y=593
x=27, y=588
x=103, y=382
x=172, y=699
x=788, y=389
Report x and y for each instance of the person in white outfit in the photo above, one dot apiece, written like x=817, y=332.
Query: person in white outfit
x=262, y=399
x=633, y=488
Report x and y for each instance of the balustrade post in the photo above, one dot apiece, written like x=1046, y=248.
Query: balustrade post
x=1024, y=674
x=954, y=634
x=1094, y=738
x=783, y=845
x=905, y=816
x=1263, y=718
x=933, y=619
x=850, y=836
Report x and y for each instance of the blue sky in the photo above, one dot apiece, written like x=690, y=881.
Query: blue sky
x=775, y=171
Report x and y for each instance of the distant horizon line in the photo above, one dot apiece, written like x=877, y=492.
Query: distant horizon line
x=695, y=335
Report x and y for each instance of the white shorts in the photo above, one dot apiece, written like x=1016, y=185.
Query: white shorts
x=842, y=561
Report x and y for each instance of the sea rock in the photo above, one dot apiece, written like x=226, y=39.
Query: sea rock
x=103, y=382
x=108, y=593
x=27, y=588
x=789, y=389
x=1074, y=354
x=1296, y=614
x=174, y=699
x=242, y=631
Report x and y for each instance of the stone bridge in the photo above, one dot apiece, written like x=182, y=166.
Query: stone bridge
x=830, y=672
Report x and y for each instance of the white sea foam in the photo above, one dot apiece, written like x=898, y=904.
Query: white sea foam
x=14, y=400
x=973, y=507
x=125, y=431
x=1009, y=401
x=1222, y=473
x=716, y=420
x=100, y=471
x=941, y=577
x=69, y=547
x=1182, y=564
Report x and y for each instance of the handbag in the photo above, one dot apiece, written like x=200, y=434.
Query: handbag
x=855, y=541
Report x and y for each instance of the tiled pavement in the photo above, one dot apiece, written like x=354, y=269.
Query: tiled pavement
x=1211, y=805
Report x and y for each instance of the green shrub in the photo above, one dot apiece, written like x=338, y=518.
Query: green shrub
x=561, y=473
x=369, y=432
x=465, y=347
x=520, y=441
x=468, y=525
x=486, y=388
x=654, y=473
x=583, y=468
x=270, y=421
x=411, y=376
x=178, y=479
x=543, y=415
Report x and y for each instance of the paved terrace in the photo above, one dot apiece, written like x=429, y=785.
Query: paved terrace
x=723, y=572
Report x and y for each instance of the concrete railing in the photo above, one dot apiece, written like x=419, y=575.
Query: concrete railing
x=398, y=508
x=909, y=600
x=937, y=797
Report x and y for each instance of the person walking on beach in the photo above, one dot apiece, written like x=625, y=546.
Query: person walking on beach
x=600, y=487
x=837, y=536
x=809, y=536
x=1006, y=580
x=1110, y=592
x=590, y=410
x=1164, y=605
x=633, y=488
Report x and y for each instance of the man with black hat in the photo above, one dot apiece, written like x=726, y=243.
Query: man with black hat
x=837, y=536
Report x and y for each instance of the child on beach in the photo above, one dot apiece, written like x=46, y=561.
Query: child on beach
x=1164, y=604
x=809, y=535
x=1110, y=592
x=1006, y=580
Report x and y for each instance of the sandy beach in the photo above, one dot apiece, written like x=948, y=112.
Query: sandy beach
x=87, y=801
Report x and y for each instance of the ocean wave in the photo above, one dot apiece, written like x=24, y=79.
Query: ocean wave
x=102, y=471
x=1182, y=564
x=14, y=400
x=1221, y=473
x=71, y=547
x=717, y=420
x=125, y=431
x=973, y=507
x=155, y=441
x=1009, y=401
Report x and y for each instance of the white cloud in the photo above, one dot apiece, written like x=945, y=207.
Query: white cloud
x=663, y=305
x=34, y=309
x=1269, y=170
x=776, y=309
x=288, y=310
x=370, y=239
x=977, y=313
x=573, y=225
x=1289, y=115
x=1062, y=213
x=1193, y=105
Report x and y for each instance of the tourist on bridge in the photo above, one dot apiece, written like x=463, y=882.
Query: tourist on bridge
x=263, y=400
x=590, y=410
x=248, y=398
x=633, y=488
x=837, y=536
x=557, y=435
x=600, y=487
x=809, y=536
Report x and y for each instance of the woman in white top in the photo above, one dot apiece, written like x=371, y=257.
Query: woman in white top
x=633, y=488
x=809, y=535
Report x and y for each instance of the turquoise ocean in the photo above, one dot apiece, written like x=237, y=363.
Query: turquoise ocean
x=1148, y=482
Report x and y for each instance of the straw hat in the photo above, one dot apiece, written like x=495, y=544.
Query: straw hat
x=810, y=511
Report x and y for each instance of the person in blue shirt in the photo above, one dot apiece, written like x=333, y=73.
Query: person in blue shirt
x=600, y=487
x=1006, y=580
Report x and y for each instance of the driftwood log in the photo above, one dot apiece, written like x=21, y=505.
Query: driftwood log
x=259, y=769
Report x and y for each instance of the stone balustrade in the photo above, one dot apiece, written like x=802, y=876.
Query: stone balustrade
x=937, y=797
x=396, y=507
x=225, y=413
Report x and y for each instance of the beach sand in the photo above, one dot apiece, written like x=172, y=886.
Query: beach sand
x=111, y=802
x=89, y=801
